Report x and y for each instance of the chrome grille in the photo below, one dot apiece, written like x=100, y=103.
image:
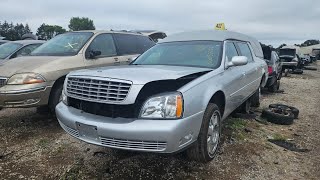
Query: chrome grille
x=134, y=145
x=97, y=89
x=70, y=131
x=3, y=81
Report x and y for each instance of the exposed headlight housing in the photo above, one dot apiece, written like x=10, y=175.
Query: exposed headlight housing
x=166, y=106
x=64, y=98
x=25, y=78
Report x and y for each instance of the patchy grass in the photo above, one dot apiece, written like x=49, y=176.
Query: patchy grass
x=236, y=124
x=278, y=137
x=43, y=143
x=75, y=171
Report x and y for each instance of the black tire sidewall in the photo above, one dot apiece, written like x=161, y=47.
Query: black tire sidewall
x=54, y=96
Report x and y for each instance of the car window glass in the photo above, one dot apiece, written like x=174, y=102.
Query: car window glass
x=8, y=48
x=144, y=43
x=245, y=51
x=193, y=53
x=27, y=50
x=126, y=44
x=67, y=44
x=103, y=43
x=230, y=51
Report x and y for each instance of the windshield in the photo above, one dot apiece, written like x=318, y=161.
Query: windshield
x=8, y=48
x=192, y=53
x=67, y=44
x=288, y=52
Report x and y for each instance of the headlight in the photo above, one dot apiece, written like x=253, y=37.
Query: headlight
x=168, y=106
x=64, y=98
x=26, y=78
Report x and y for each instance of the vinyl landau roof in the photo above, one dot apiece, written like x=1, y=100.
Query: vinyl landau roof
x=215, y=35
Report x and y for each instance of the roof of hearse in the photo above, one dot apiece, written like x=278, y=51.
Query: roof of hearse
x=215, y=35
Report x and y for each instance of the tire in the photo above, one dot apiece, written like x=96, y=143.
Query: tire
x=297, y=71
x=278, y=85
x=255, y=99
x=43, y=110
x=278, y=118
x=245, y=107
x=274, y=87
x=294, y=110
x=55, y=97
x=199, y=150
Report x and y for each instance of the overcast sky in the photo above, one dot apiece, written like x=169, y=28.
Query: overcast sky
x=270, y=21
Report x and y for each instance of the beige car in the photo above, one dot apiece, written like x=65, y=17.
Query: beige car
x=37, y=80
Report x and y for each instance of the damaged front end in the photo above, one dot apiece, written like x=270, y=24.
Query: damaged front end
x=133, y=110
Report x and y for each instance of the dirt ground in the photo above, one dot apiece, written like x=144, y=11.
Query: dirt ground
x=33, y=146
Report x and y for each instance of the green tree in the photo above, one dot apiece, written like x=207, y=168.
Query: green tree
x=46, y=32
x=13, y=32
x=77, y=24
x=310, y=42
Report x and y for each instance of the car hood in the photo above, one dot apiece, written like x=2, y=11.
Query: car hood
x=141, y=74
x=24, y=64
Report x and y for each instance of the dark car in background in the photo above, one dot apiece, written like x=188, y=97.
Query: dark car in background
x=15, y=49
x=274, y=68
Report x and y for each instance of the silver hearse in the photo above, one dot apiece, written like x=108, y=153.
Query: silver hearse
x=171, y=98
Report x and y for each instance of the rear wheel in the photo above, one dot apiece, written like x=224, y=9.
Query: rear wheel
x=255, y=99
x=208, y=142
x=274, y=87
x=245, y=107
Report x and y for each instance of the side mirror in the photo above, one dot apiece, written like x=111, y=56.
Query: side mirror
x=238, y=61
x=92, y=54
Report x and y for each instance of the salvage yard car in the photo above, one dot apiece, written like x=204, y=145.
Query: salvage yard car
x=171, y=98
x=15, y=49
x=274, y=68
x=37, y=80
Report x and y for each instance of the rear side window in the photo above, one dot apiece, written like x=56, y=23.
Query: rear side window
x=245, y=50
x=104, y=44
x=126, y=44
x=230, y=51
x=144, y=43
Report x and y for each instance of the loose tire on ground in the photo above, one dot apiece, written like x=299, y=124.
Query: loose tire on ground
x=278, y=118
x=294, y=110
x=199, y=150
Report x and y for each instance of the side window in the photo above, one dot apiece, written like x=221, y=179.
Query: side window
x=144, y=43
x=245, y=50
x=126, y=44
x=25, y=51
x=230, y=51
x=103, y=43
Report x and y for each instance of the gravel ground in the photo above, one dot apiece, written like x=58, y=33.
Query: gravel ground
x=33, y=146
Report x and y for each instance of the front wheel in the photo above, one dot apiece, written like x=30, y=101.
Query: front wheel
x=208, y=142
x=55, y=97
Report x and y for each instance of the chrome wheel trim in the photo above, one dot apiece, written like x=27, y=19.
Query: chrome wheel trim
x=213, y=134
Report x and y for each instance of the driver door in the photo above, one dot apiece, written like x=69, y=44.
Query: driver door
x=104, y=44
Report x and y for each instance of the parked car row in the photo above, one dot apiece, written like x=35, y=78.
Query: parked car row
x=120, y=89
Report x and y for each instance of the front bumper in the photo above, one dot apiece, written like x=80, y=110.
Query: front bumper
x=163, y=136
x=27, y=96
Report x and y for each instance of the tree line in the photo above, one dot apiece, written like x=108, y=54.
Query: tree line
x=45, y=31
